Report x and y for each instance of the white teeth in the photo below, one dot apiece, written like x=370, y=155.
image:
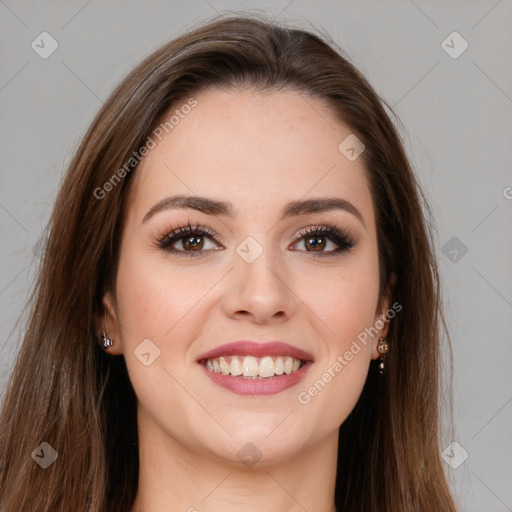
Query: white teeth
x=235, y=368
x=279, y=366
x=224, y=367
x=252, y=367
x=267, y=367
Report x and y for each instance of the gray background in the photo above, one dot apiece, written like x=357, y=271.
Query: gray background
x=457, y=114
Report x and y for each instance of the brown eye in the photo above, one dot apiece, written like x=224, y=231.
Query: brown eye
x=319, y=238
x=188, y=241
x=193, y=243
x=314, y=243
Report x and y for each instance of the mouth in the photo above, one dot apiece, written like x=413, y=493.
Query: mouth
x=249, y=368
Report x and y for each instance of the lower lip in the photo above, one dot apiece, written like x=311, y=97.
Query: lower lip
x=266, y=386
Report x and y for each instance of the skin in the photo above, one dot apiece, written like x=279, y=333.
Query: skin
x=258, y=152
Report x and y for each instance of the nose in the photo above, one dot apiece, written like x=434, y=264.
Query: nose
x=260, y=290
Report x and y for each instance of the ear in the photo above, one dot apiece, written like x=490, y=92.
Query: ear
x=382, y=319
x=109, y=323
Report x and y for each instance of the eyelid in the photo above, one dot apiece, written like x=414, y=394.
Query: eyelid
x=185, y=230
x=328, y=228
x=338, y=235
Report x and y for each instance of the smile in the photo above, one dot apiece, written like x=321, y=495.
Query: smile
x=255, y=368
x=251, y=367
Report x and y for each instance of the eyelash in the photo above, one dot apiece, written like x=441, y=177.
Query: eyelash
x=331, y=232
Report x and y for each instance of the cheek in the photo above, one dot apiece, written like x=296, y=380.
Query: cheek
x=156, y=302
x=344, y=303
x=345, y=314
x=345, y=299
x=155, y=294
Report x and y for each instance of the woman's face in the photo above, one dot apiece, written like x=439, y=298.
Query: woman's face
x=262, y=264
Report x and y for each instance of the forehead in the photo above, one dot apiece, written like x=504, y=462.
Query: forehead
x=256, y=150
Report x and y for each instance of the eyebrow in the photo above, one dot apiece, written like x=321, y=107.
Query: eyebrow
x=225, y=208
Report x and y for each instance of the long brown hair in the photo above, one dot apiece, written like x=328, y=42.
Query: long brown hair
x=65, y=391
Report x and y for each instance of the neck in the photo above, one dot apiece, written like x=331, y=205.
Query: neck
x=175, y=477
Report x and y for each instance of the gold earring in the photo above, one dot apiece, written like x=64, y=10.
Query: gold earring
x=383, y=348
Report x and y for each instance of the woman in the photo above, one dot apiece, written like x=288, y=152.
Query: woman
x=241, y=231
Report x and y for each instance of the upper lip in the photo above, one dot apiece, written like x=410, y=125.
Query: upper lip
x=257, y=349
